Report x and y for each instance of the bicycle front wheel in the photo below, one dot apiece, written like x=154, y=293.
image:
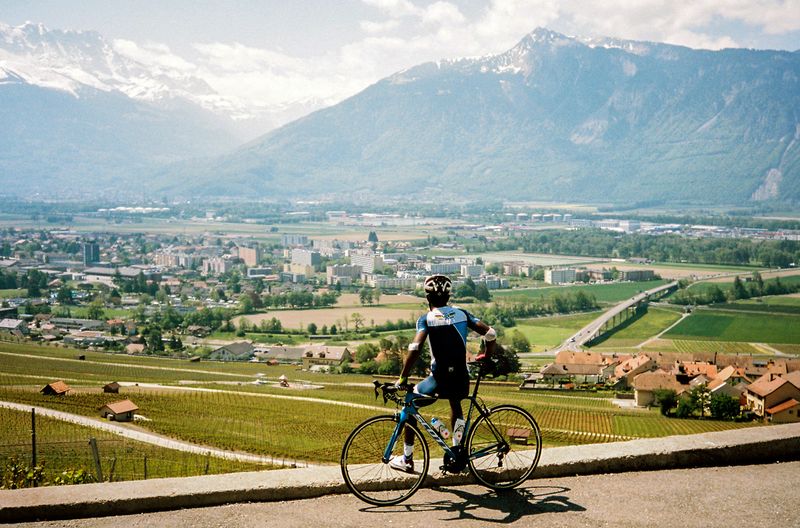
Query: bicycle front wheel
x=365, y=472
x=504, y=447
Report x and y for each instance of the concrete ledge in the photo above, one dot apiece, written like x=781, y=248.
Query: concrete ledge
x=734, y=447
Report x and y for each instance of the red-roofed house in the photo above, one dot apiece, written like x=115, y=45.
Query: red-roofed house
x=120, y=411
x=646, y=383
x=768, y=392
x=625, y=372
x=786, y=412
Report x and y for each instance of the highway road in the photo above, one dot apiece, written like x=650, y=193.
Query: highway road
x=753, y=496
x=588, y=332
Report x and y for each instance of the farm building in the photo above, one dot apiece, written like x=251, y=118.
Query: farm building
x=121, y=411
x=57, y=388
x=274, y=354
x=326, y=356
x=13, y=326
x=112, y=387
x=241, y=351
x=646, y=383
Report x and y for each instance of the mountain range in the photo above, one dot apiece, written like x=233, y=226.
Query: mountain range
x=554, y=118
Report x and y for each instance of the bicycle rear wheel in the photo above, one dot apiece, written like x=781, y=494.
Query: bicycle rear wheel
x=364, y=470
x=504, y=447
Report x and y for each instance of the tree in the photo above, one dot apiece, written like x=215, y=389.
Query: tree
x=358, y=321
x=365, y=295
x=153, y=339
x=716, y=295
x=366, y=352
x=64, y=295
x=245, y=304
x=519, y=342
x=699, y=397
x=482, y=292
x=739, y=291
x=95, y=310
x=312, y=329
x=666, y=399
x=724, y=407
x=506, y=360
x=372, y=237
x=685, y=408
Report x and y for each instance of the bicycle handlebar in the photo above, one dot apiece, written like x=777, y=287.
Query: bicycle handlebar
x=389, y=391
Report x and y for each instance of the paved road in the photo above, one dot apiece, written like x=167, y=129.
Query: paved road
x=588, y=332
x=752, y=496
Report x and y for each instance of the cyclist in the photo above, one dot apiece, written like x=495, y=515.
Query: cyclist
x=447, y=327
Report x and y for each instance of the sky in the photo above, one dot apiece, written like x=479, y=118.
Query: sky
x=273, y=52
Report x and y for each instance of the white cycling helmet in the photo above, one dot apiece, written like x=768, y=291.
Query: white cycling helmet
x=438, y=286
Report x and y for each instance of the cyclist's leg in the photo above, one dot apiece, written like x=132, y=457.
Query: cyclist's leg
x=456, y=412
x=427, y=387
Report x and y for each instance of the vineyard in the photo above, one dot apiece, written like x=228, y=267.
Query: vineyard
x=62, y=446
x=718, y=347
x=218, y=405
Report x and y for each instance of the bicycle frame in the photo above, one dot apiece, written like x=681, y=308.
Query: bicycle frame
x=410, y=414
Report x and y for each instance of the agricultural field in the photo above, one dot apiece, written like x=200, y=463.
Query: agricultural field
x=786, y=304
x=14, y=292
x=655, y=321
x=534, y=258
x=341, y=317
x=604, y=293
x=712, y=325
x=672, y=271
x=63, y=446
x=219, y=404
x=544, y=333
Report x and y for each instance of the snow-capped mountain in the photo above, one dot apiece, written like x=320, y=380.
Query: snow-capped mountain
x=554, y=118
x=74, y=60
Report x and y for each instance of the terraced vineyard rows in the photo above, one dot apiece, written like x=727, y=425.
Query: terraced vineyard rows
x=64, y=446
x=295, y=424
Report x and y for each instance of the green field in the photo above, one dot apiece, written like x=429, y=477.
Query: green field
x=647, y=326
x=546, y=332
x=773, y=304
x=707, y=324
x=14, y=292
x=604, y=293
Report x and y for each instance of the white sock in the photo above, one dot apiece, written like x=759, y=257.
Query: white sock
x=408, y=451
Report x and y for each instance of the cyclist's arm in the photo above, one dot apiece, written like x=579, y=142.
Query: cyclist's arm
x=414, y=351
x=489, y=336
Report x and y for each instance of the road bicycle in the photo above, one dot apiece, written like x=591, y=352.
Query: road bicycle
x=500, y=447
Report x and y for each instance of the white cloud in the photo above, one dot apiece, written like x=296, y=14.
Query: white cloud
x=370, y=27
x=403, y=33
x=395, y=8
x=686, y=22
x=152, y=54
x=443, y=13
